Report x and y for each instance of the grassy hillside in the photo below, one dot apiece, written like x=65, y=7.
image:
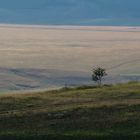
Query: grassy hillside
x=84, y=113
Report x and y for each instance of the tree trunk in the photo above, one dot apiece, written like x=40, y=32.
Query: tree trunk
x=100, y=82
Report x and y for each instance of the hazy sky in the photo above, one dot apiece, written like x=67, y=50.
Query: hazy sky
x=85, y=12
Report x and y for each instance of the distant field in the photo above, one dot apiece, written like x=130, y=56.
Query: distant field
x=37, y=57
x=83, y=113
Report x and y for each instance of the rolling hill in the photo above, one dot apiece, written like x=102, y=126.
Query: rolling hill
x=83, y=113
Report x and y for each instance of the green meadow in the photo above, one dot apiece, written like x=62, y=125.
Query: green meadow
x=111, y=112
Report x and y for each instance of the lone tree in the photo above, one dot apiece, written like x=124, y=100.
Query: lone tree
x=98, y=74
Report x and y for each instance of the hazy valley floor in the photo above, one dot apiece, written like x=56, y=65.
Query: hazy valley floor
x=36, y=57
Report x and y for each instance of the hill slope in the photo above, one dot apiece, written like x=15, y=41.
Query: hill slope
x=82, y=113
x=81, y=12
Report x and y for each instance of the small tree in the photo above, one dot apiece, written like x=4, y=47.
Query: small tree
x=98, y=74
